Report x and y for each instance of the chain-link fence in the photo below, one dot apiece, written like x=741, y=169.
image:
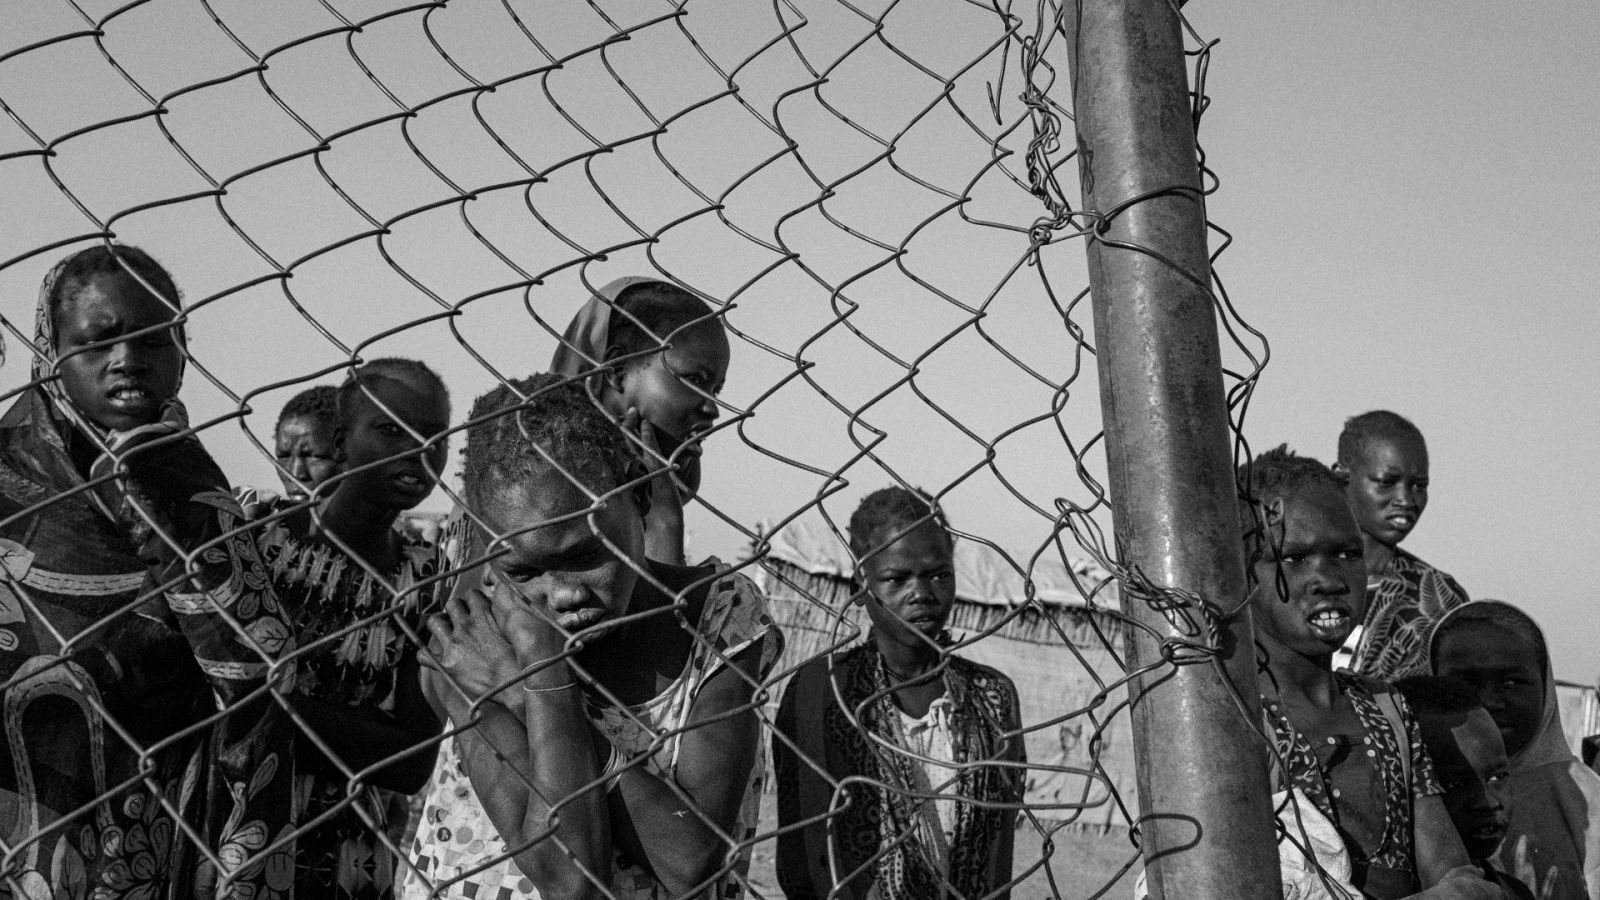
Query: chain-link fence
x=877, y=202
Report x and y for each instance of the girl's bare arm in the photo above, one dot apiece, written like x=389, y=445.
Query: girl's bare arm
x=1442, y=863
x=534, y=769
x=688, y=822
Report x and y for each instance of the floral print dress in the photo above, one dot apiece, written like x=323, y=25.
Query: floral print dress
x=353, y=631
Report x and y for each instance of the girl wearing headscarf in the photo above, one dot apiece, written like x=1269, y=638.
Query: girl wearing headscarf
x=1552, y=799
x=661, y=356
x=143, y=758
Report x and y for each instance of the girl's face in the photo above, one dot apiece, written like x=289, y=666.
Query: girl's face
x=674, y=390
x=1388, y=487
x=1469, y=757
x=406, y=474
x=911, y=585
x=305, y=453
x=1503, y=667
x=1311, y=582
x=122, y=385
x=566, y=567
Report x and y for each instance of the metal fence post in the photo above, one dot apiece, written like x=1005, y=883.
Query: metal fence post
x=1204, y=813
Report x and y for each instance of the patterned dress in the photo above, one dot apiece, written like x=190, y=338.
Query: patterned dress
x=155, y=644
x=1402, y=607
x=458, y=853
x=1397, y=775
x=355, y=647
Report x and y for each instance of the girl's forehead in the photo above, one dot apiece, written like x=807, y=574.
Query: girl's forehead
x=926, y=540
x=1400, y=449
x=541, y=493
x=705, y=344
x=408, y=398
x=113, y=295
x=1486, y=645
x=304, y=426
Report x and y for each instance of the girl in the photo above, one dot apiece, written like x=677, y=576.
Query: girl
x=1383, y=461
x=1552, y=799
x=915, y=721
x=118, y=637
x=609, y=744
x=1349, y=744
x=665, y=355
x=303, y=440
x=359, y=589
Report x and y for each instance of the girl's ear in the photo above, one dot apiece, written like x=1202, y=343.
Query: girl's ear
x=1341, y=472
x=1274, y=512
x=613, y=352
x=338, y=444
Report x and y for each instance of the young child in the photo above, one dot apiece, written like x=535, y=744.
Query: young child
x=665, y=355
x=359, y=590
x=1383, y=461
x=606, y=740
x=1470, y=759
x=1348, y=743
x=915, y=720
x=303, y=440
x=118, y=636
x=1552, y=799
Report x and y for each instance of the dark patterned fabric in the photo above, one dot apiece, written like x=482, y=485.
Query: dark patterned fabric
x=130, y=613
x=871, y=842
x=354, y=631
x=155, y=644
x=1379, y=749
x=1402, y=608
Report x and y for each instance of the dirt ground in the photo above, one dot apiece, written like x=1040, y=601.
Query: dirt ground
x=1081, y=866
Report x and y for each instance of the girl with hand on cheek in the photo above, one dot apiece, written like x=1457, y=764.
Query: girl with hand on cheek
x=1552, y=799
x=604, y=739
x=665, y=354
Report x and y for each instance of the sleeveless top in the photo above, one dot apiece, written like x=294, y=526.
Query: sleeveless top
x=457, y=852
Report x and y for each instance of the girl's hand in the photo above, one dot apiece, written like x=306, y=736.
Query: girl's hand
x=469, y=651
x=664, y=523
x=528, y=628
x=644, y=441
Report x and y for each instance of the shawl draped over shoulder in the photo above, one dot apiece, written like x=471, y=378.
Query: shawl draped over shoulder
x=142, y=757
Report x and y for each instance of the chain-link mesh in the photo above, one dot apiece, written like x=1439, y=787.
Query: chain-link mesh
x=876, y=200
